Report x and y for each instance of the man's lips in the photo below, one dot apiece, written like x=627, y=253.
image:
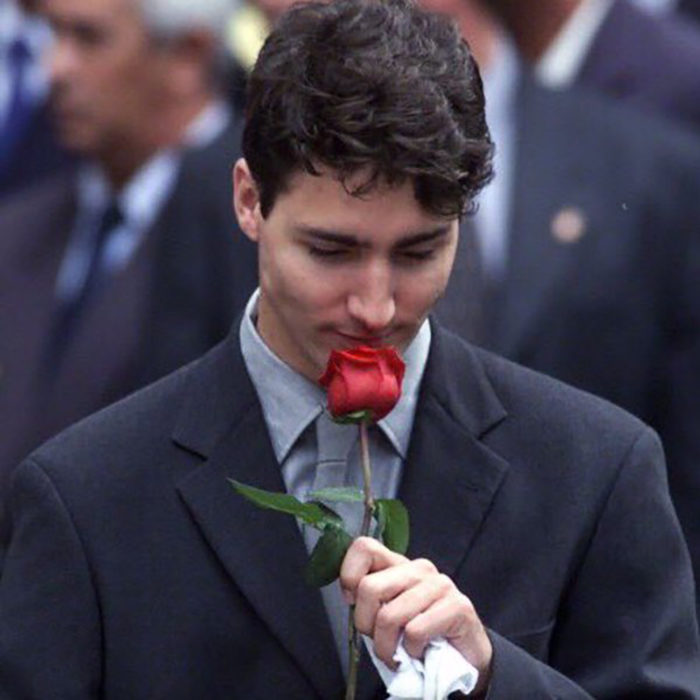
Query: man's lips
x=370, y=340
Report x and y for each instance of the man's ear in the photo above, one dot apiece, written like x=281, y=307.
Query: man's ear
x=246, y=200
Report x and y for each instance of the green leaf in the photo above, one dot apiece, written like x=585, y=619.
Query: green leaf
x=393, y=524
x=355, y=417
x=315, y=514
x=325, y=561
x=344, y=494
x=329, y=518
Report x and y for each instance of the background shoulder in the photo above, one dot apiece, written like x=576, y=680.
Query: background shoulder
x=117, y=441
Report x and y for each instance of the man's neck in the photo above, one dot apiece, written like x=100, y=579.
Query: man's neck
x=480, y=30
x=533, y=32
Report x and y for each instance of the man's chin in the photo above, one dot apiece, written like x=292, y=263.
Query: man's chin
x=75, y=139
x=73, y=132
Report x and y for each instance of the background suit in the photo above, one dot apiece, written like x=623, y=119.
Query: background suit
x=647, y=60
x=535, y=498
x=173, y=301
x=690, y=8
x=32, y=155
x=615, y=309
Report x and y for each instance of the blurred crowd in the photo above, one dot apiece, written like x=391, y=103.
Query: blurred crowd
x=120, y=258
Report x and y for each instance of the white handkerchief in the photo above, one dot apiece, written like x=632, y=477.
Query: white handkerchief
x=443, y=671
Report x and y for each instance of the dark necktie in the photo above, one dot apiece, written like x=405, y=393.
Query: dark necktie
x=334, y=467
x=69, y=311
x=19, y=106
x=111, y=219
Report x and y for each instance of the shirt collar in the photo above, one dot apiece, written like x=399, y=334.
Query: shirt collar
x=398, y=425
x=141, y=197
x=561, y=62
x=208, y=124
x=290, y=401
x=501, y=80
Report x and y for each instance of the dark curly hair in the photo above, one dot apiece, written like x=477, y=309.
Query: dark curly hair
x=369, y=85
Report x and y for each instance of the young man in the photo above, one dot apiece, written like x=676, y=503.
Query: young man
x=132, y=570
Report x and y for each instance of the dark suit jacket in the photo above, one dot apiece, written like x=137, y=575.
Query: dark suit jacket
x=690, y=8
x=616, y=311
x=134, y=571
x=33, y=155
x=647, y=60
x=173, y=301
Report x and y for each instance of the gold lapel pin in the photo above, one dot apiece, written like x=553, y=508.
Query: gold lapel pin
x=568, y=225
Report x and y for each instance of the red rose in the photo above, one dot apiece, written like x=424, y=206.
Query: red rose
x=363, y=379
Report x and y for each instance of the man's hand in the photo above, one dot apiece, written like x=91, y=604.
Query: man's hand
x=393, y=594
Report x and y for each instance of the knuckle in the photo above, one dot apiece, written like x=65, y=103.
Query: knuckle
x=362, y=625
x=444, y=583
x=425, y=565
x=384, y=619
x=415, y=634
x=465, y=613
x=366, y=589
x=366, y=544
x=388, y=618
x=466, y=605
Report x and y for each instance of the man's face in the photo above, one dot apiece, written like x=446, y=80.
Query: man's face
x=338, y=271
x=107, y=75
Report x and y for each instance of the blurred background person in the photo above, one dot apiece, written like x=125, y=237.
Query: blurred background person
x=247, y=29
x=688, y=8
x=131, y=266
x=28, y=147
x=589, y=245
x=613, y=46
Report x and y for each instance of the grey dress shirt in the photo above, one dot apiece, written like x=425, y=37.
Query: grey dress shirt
x=292, y=404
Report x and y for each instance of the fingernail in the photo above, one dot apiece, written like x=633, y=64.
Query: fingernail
x=348, y=596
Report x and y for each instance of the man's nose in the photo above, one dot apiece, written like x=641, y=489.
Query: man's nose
x=372, y=303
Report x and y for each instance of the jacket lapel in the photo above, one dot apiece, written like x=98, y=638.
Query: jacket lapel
x=450, y=478
x=223, y=422
x=614, y=64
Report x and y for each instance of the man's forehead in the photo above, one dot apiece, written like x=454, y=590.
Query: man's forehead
x=323, y=206
x=312, y=200
x=88, y=10
x=355, y=188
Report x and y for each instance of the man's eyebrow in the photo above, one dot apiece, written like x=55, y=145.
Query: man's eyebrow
x=351, y=239
x=327, y=235
x=424, y=236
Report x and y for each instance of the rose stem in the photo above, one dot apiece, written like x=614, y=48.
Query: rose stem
x=353, y=637
x=367, y=479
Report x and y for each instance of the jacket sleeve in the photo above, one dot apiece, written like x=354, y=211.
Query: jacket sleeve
x=49, y=622
x=626, y=626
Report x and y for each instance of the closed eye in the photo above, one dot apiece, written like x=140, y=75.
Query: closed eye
x=416, y=255
x=327, y=251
